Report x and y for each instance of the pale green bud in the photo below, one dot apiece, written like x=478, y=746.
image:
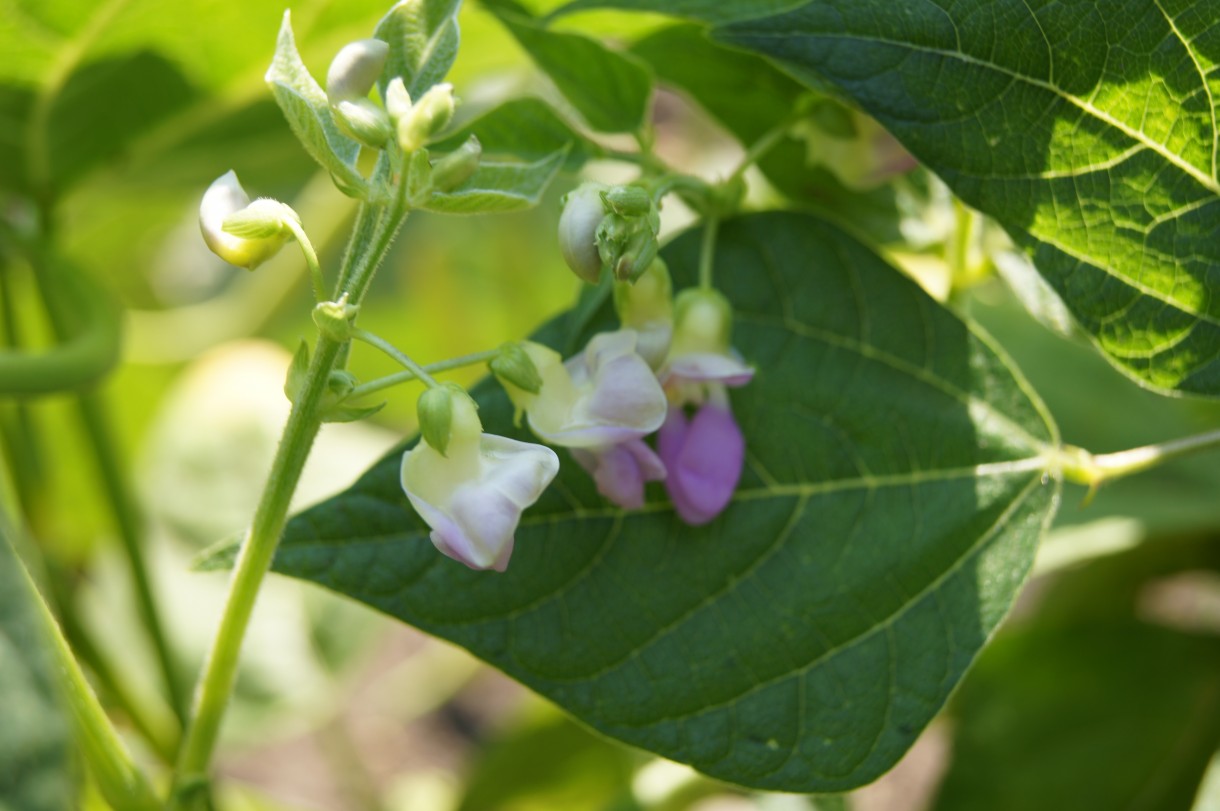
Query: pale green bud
x=456, y=168
x=629, y=201
x=583, y=212
x=397, y=99
x=364, y=121
x=224, y=199
x=647, y=301
x=426, y=118
x=334, y=318
x=703, y=322
x=514, y=365
x=355, y=69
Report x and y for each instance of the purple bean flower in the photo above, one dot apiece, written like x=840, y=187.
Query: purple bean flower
x=622, y=470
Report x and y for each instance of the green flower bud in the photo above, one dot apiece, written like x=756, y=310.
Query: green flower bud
x=639, y=254
x=262, y=219
x=703, y=322
x=397, y=99
x=514, y=365
x=456, y=168
x=355, y=69
x=647, y=301
x=426, y=117
x=364, y=121
x=579, y=226
x=334, y=319
x=629, y=201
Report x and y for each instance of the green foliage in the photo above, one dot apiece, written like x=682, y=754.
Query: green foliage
x=804, y=639
x=34, y=749
x=527, y=129
x=308, y=112
x=710, y=11
x=498, y=186
x=611, y=90
x=423, y=38
x=1089, y=132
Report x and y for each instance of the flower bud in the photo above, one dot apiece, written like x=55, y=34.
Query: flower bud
x=456, y=168
x=579, y=225
x=334, y=319
x=641, y=250
x=646, y=306
x=426, y=117
x=224, y=199
x=364, y=121
x=703, y=322
x=397, y=99
x=514, y=365
x=629, y=201
x=446, y=413
x=355, y=69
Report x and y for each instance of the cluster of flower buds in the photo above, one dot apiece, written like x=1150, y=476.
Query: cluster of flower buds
x=609, y=227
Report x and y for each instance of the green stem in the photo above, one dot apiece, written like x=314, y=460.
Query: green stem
x=361, y=261
x=253, y=562
x=1082, y=467
x=417, y=371
x=122, y=506
x=707, y=252
x=768, y=141
x=311, y=259
x=389, y=381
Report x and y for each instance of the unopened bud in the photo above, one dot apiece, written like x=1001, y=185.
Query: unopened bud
x=334, y=319
x=456, y=168
x=446, y=413
x=514, y=365
x=703, y=322
x=647, y=301
x=364, y=121
x=397, y=99
x=224, y=199
x=640, y=252
x=579, y=226
x=355, y=69
x=426, y=117
x=629, y=201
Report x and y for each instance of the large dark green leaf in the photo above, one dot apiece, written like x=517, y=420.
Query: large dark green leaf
x=1088, y=130
x=611, y=90
x=710, y=11
x=890, y=508
x=35, y=765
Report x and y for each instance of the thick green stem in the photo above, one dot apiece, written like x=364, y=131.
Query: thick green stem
x=707, y=252
x=361, y=260
x=252, y=564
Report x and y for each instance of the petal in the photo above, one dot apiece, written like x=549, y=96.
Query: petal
x=622, y=470
x=709, y=367
x=704, y=463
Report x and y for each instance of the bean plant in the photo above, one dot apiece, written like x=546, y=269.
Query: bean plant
x=757, y=501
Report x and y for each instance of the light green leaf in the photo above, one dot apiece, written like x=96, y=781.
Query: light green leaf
x=1088, y=130
x=893, y=498
x=500, y=187
x=423, y=38
x=709, y=11
x=527, y=129
x=305, y=106
x=1101, y=715
x=610, y=89
x=35, y=764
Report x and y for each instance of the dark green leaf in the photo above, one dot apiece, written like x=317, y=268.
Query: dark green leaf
x=500, y=187
x=1088, y=130
x=308, y=112
x=889, y=512
x=35, y=763
x=709, y=11
x=423, y=38
x=1112, y=715
x=526, y=129
x=610, y=89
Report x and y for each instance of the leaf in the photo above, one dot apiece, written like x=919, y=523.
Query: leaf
x=611, y=90
x=527, y=129
x=888, y=515
x=308, y=112
x=1088, y=131
x=423, y=38
x=1112, y=715
x=709, y=11
x=500, y=187
x=35, y=763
